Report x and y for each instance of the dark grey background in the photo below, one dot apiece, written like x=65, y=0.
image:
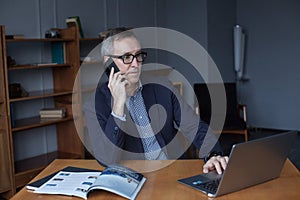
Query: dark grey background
x=272, y=46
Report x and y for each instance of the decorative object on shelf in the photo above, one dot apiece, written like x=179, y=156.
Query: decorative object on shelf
x=10, y=61
x=53, y=33
x=17, y=91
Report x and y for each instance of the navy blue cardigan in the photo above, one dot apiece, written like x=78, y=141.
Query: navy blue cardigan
x=174, y=123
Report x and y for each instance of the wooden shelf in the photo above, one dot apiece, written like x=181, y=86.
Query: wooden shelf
x=27, y=169
x=2, y=190
x=35, y=122
x=91, y=39
x=41, y=161
x=40, y=40
x=91, y=63
x=37, y=66
x=42, y=94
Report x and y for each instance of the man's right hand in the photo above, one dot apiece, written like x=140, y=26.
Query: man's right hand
x=116, y=84
x=218, y=163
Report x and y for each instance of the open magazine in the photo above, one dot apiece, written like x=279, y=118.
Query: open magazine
x=115, y=178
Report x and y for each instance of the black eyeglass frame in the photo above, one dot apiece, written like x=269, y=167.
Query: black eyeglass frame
x=122, y=57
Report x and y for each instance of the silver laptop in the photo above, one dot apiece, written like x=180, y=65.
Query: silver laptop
x=249, y=164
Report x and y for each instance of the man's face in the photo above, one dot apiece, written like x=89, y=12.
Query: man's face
x=128, y=46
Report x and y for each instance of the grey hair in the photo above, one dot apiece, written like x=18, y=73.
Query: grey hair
x=107, y=47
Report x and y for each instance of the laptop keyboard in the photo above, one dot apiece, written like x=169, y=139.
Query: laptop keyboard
x=210, y=187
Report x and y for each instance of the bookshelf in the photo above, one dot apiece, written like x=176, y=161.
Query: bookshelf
x=6, y=172
x=20, y=172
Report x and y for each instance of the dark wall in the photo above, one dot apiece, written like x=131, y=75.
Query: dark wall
x=272, y=62
x=221, y=19
x=272, y=45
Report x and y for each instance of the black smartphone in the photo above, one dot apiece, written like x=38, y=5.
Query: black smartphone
x=108, y=65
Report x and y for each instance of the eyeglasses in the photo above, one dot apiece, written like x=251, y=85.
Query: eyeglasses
x=128, y=58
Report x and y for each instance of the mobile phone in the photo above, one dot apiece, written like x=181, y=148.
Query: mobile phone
x=108, y=65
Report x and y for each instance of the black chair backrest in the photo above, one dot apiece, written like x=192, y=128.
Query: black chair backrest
x=204, y=101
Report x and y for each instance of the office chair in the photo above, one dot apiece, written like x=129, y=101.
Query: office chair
x=235, y=119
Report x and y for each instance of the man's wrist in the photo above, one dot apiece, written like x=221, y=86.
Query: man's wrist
x=122, y=118
x=212, y=154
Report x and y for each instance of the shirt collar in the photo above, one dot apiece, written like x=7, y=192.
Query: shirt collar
x=140, y=87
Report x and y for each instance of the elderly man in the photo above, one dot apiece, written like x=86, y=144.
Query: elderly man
x=139, y=118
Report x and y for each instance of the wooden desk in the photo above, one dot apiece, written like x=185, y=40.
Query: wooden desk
x=162, y=184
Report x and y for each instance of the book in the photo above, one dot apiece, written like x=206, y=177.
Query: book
x=75, y=21
x=15, y=36
x=52, y=111
x=58, y=52
x=117, y=179
x=56, y=116
x=43, y=64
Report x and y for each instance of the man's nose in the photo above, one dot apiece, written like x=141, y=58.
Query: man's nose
x=134, y=63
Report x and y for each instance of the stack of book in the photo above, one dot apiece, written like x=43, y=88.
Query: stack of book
x=52, y=113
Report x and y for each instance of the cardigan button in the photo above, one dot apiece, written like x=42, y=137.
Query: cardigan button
x=116, y=130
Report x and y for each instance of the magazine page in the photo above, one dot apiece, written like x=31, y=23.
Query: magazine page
x=120, y=180
x=36, y=184
x=69, y=183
